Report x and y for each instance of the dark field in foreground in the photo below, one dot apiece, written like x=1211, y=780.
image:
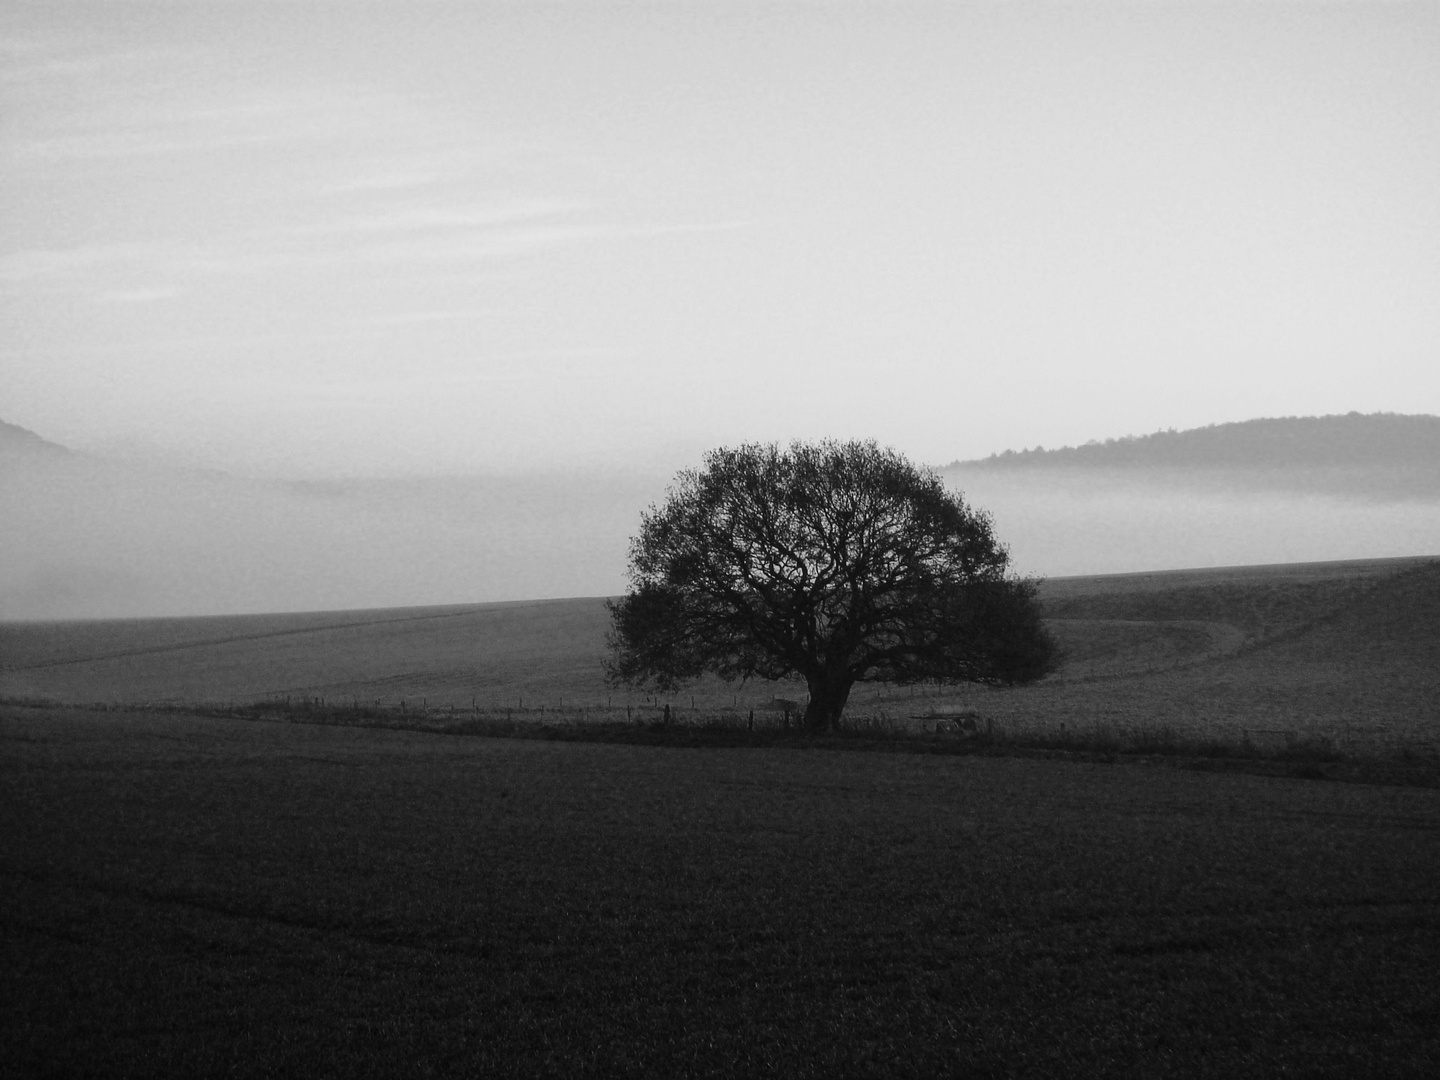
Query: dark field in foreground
x=198, y=896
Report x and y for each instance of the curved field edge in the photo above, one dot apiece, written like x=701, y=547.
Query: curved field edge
x=1335, y=661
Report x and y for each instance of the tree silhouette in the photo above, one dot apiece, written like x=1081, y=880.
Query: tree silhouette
x=837, y=562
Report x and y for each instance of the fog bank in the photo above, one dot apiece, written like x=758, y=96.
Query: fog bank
x=83, y=539
x=86, y=538
x=1060, y=522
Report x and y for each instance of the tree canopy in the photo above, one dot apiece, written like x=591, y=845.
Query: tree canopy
x=836, y=562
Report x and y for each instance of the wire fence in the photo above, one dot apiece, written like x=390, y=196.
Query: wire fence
x=934, y=722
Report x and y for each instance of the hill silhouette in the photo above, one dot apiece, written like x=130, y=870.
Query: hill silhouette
x=1371, y=454
x=1354, y=439
x=16, y=439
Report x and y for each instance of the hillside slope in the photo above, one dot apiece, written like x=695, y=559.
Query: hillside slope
x=500, y=652
x=1378, y=440
x=16, y=440
x=1363, y=675
x=1344, y=651
x=1304, y=489
x=1368, y=458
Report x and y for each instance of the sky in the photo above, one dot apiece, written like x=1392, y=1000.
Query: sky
x=346, y=239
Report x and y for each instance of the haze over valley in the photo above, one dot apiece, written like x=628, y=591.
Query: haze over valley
x=89, y=536
x=1296, y=489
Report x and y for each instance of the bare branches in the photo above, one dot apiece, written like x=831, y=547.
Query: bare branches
x=834, y=561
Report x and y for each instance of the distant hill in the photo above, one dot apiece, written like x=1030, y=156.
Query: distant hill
x=1374, y=440
x=16, y=439
x=97, y=534
x=1369, y=456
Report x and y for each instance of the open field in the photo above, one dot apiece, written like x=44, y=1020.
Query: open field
x=192, y=895
x=1342, y=657
x=363, y=889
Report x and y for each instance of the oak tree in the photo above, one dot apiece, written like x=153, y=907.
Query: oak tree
x=836, y=562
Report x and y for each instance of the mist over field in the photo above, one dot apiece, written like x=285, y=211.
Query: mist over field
x=85, y=536
x=1057, y=525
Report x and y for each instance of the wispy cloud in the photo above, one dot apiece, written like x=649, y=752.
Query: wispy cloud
x=507, y=367
x=386, y=179
x=420, y=217
x=417, y=160
x=481, y=245
x=40, y=62
x=423, y=318
x=524, y=240
x=150, y=295
x=165, y=259
x=132, y=125
x=131, y=144
x=416, y=236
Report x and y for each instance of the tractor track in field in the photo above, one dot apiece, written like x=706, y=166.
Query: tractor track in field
x=152, y=650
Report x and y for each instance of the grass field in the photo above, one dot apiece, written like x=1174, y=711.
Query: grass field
x=197, y=896
x=1337, y=657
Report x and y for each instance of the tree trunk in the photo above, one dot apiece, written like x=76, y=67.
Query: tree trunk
x=828, y=694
